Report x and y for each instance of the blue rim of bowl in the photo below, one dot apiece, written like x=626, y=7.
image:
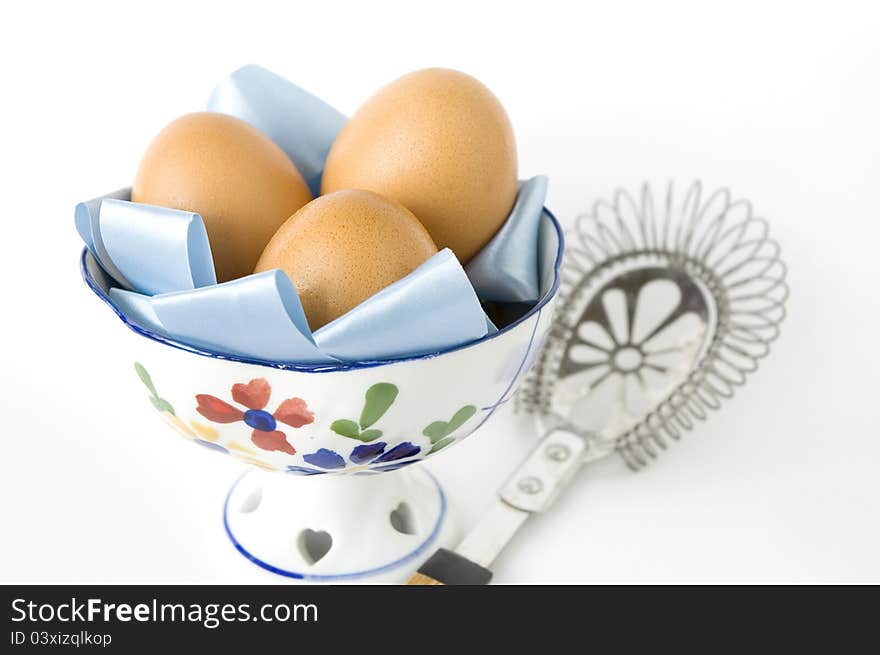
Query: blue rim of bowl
x=328, y=368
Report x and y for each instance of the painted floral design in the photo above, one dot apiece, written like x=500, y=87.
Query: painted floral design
x=372, y=456
x=254, y=396
x=202, y=434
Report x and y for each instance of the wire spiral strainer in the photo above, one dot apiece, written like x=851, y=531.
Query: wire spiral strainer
x=664, y=310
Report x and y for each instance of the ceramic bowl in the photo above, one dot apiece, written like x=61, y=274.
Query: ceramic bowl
x=362, y=417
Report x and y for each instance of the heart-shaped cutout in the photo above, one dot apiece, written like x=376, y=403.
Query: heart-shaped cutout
x=252, y=501
x=314, y=545
x=402, y=519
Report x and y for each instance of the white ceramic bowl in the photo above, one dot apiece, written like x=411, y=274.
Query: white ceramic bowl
x=353, y=417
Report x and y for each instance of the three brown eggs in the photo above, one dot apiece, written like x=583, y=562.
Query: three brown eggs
x=428, y=162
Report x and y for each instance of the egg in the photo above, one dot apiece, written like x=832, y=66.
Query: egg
x=343, y=247
x=239, y=181
x=440, y=143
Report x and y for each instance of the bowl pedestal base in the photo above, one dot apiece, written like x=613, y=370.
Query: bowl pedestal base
x=369, y=528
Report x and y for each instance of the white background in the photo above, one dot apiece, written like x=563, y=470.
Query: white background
x=779, y=102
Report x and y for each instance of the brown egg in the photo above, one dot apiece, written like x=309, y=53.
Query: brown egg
x=342, y=248
x=441, y=144
x=233, y=175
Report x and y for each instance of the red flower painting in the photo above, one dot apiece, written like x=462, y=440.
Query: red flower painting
x=255, y=397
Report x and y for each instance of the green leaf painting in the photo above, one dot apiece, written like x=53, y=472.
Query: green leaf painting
x=377, y=400
x=439, y=430
x=145, y=378
x=370, y=435
x=440, y=445
x=160, y=404
x=346, y=428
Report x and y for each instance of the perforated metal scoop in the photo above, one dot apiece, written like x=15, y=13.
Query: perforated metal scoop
x=666, y=306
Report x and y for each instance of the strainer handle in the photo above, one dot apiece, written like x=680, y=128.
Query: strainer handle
x=532, y=488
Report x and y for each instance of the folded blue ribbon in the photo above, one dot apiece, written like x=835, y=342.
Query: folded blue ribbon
x=87, y=217
x=301, y=124
x=434, y=304
x=260, y=316
x=145, y=248
x=548, y=251
x=138, y=308
x=84, y=212
x=506, y=269
x=255, y=316
x=159, y=249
